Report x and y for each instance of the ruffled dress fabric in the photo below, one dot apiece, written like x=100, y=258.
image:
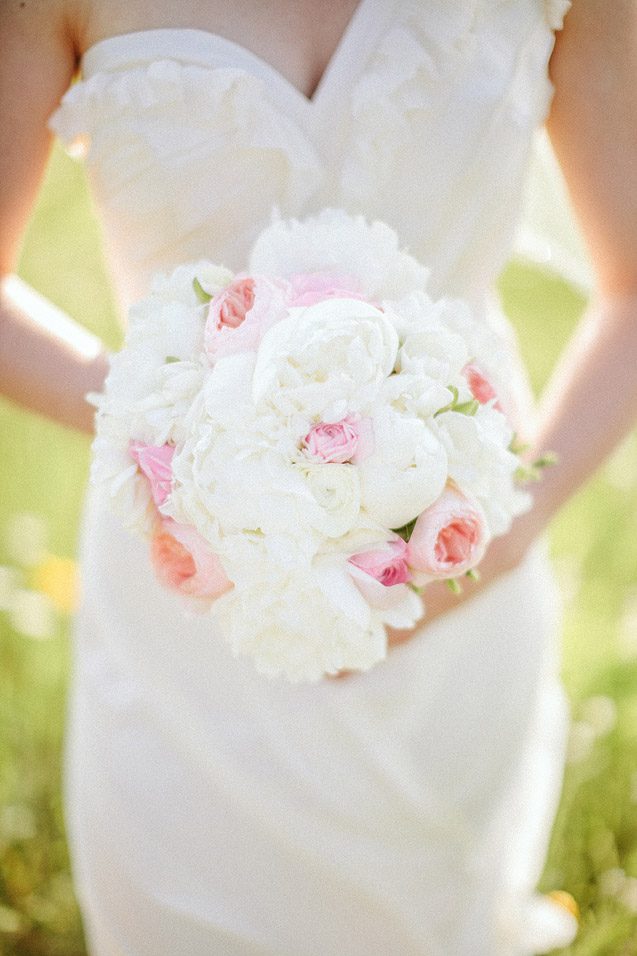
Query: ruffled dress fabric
x=406, y=810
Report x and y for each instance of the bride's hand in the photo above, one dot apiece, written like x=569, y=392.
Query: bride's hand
x=503, y=555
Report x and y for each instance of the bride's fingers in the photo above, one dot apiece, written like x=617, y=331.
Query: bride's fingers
x=438, y=600
x=503, y=555
x=341, y=674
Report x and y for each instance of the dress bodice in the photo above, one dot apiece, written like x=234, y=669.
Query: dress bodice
x=424, y=118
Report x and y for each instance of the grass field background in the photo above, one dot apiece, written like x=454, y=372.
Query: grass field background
x=44, y=468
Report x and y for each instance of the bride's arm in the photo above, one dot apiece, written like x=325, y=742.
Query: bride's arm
x=38, y=368
x=591, y=401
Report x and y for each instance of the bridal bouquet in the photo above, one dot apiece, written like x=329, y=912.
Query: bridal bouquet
x=308, y=443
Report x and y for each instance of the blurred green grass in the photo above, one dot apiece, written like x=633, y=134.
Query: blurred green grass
x=44, y=469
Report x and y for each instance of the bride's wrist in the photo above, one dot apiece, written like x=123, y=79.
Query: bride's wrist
x=91, y=382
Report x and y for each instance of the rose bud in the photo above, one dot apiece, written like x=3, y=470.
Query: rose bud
x=480, y=386
x=387, y=564
x=348, y=440
x=154, y=461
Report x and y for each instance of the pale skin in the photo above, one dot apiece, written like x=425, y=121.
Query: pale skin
x=591, y=401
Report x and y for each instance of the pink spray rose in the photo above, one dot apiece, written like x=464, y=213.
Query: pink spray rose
x=351, y=439
x=240, y=315
x=479, y=385
x=230, y=307
x=388, y=564
x=309, y=288
x=154, y=461
x=184, y=562
x=449, y=537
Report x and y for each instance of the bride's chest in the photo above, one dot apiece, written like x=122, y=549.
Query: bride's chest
x=297, y=37
x=423, y=117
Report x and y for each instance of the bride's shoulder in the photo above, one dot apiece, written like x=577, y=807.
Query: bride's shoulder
x=39, y=55
x=555, y=11
x=592, y=128
x=48, y=29
x=39, y=58
x=592, y=42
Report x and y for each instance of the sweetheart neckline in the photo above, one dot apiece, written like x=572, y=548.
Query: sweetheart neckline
x=145, y=45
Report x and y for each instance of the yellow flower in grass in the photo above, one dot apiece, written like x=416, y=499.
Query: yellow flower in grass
x=566, y=901
x=57, y=578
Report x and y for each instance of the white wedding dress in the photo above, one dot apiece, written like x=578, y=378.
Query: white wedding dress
x=211, y=811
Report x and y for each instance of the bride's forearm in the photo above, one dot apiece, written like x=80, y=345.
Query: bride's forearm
x=592, y=400
x=589, y=405
x=48, y=363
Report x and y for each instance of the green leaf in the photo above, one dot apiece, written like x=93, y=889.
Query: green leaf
x=406, y=531
x=200, y=292
x=526, y=473
x=546, y=460
x=516, y=446
x=467, y=408
x=454, y=585
x=533, y=471
x=473, y=574
x=171, y=359
x=452, y=404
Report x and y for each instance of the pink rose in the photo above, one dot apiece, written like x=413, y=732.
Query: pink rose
x=449, y=537
x=154, y=461
x=388, y=564
x=230, y=307
x=240, y=315
x=312, y=287
x=351, y=439
x=480, y=387
x=184, y=562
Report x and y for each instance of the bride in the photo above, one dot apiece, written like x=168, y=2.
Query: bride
x=405, y=810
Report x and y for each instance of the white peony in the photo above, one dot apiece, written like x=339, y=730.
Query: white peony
x=434, y=352
x=406, y=471
x=336, y=491
x=224, y=490
x=178, y=285
x=304, y=625
x=338, y=243
x=414, y=393
x=160, y=416
x=164, y=330
x=493, y=350
x=113, y=469
x=427, y=344
x=481, y=464
x=326, y=359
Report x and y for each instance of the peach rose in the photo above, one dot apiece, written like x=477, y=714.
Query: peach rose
x=183, y=561
x=230, y=307
x=240, y=315
x=154, y=461
x=387, y=565
x=449, y=537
